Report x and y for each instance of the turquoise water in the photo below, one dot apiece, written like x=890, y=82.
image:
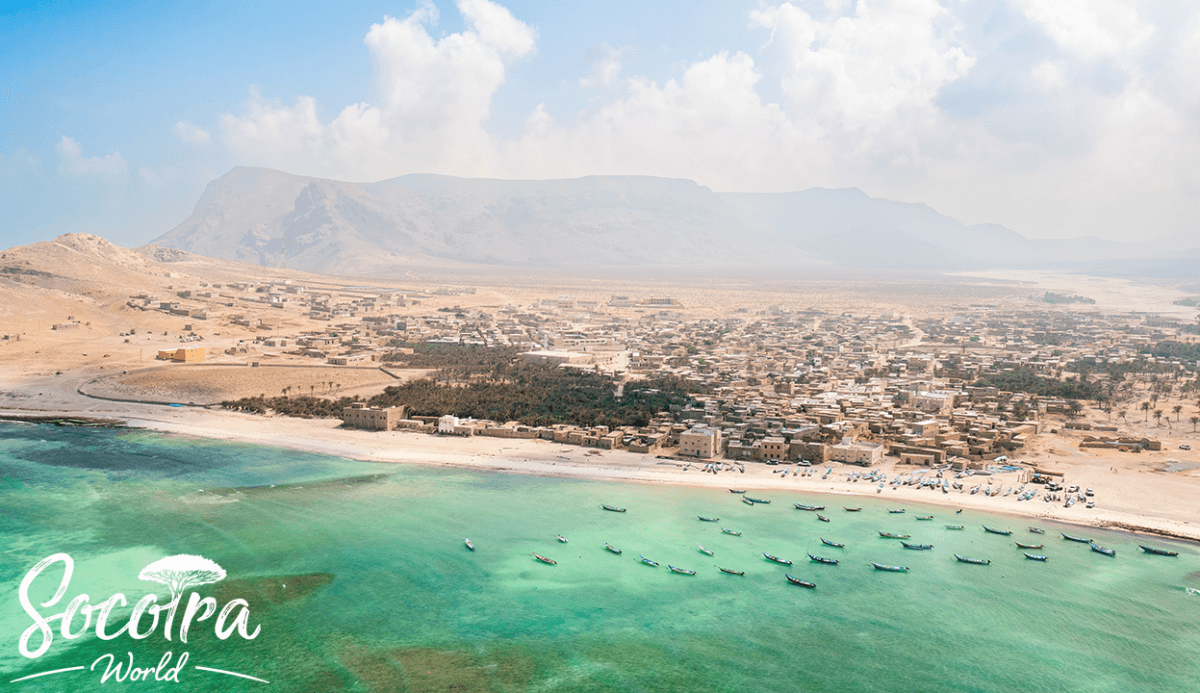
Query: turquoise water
x=359, y=578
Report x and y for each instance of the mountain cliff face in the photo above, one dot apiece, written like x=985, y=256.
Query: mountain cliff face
x=255, y=215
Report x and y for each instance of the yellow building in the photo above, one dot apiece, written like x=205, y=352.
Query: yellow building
x=183, y=355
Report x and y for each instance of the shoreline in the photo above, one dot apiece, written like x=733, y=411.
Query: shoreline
x=545, y=458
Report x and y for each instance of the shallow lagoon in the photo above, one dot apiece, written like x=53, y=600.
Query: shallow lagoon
x=358, y=574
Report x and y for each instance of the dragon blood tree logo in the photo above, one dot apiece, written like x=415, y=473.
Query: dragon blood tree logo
x=176, y=617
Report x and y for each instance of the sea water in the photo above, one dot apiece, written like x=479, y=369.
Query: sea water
x=359, y=578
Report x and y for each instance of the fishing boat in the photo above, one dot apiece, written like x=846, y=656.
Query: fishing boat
x=1157, y=552
x=730, y=531
x=826, y=561
x=1037, y=530
x=758, y=500
x=889, y=535
x=851, y=510
x=705, y=551
x=777, y=559
x=737, y=490
x=973, y=561
x=916, y=547
x=613, y=508
x=925, y=517
x=1100, y=549
x=747, y=501
x=543, y=559
x=1081, y=540
x=897, y=512
x=890, y=568
x=1002, y=532
x=612, y=548
x=681, y=571
x=801, y=506
x=561, y=538
x=1034, y=557
x=708, y=519
x=1028, y=546
x=649, y=562
x=822, y=518
x=470, y=545
x=954, y=527
x=834, y=544
x=1192, y=590
x=802, y=583
x=731, y=572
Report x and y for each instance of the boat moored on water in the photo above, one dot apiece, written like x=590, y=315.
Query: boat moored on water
x=543, y=559
x=1157, y=552
x=897, y=512
x=822, y=518
x=648, y=562
x=561, y=538
x=851, y=510
x=802, y=583
x=470, y=545
x=747, y=501
x=705, y=551
x=1028, y=546
x=890, y=568
x=916, y=547
x=1002, y=532
x=1081, y=540
x=1037, y=530
x=758, y=500
x=890, y=535
x=708, y=519
x=1033, y=557
x=681, y=571
x=834, y=544
x=730, y=571
x=925, y=517
x=954, y=527
x=776, y=559
x=802, y=506
x=613, y=508
x=737, y=490
x=612, y=548
x=1100, y=549
x=973, y=561
x=826, y=561
x=730, y=531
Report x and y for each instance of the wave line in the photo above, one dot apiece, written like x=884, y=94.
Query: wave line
x=230, y=673
x=46, y=673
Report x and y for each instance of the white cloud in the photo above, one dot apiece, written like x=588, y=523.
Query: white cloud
x=73, y=163
x=190, y=133
x=1090, y=27
x=436, y=97
x=606, y=70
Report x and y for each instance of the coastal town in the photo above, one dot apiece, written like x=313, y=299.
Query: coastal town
x=965, y=388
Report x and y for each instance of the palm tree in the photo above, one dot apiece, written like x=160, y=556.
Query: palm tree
x=1176, y=409
x=1121, y=414
x=1158, y=414
x=1195, y=420
x=1145, y=406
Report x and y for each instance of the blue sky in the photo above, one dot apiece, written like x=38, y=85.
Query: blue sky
x=1078, y=117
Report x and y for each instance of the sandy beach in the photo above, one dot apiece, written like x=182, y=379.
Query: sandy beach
x=1133, y=492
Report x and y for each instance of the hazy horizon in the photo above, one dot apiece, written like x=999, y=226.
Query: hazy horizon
x=1054, y=122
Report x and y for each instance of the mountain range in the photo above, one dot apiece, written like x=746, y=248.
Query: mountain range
x=258, y=216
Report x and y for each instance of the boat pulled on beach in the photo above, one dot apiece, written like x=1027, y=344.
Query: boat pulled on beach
x=776, y=559
x=802, y=583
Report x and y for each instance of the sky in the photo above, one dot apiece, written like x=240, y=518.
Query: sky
x=1055, y=119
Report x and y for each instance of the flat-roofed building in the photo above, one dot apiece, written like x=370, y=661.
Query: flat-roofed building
x=183, y=354
x=700, y=441
x=372, y=418
x=850, y=452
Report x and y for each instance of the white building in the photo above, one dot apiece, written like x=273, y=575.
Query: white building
x=850, y=452
x=447, y=424
x=700, y=441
